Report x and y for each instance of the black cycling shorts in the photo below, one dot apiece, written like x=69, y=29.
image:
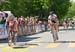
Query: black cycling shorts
x=72, y=22
x=53, y=21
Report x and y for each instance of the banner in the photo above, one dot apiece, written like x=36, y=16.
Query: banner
x=3, y=31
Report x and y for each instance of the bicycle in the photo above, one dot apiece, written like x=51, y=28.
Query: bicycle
x=54, y=33
x=12, y=38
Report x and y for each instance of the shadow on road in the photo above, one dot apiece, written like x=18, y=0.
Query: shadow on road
x=20, y=39
x=19, y=47
x=55, y=42
x=25, y=45
x=65, y=41
x=67, y=29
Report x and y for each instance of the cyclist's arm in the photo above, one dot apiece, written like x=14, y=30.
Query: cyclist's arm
x=57, y=21
x=49, y=21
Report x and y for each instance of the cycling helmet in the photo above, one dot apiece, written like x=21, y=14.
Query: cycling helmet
x=52, y=12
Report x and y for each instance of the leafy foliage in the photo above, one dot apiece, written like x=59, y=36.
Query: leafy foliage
x=36, y=7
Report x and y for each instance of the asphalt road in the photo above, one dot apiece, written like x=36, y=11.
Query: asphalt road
x=43, y=42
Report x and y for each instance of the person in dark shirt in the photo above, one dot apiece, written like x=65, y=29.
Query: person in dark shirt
x=3, y=20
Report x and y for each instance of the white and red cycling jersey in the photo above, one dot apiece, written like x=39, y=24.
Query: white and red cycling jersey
x=53, y=16
x=11, y=23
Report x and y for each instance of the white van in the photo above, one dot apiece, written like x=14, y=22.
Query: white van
x=3, y=31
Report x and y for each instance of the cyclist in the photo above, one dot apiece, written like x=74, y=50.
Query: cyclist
x=12, y=29
x=53, y=20
x=66, y=23
x=72, y=23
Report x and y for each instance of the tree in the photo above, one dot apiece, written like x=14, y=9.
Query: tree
x=71, y=11
x=40, y=7
x=60, y=7
x=36, y=7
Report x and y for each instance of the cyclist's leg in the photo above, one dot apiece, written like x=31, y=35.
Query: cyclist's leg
x=51, y=29
x=67, y=25
x=14, y=37
x=53, y=33
x=10, y=38
x=56, y=28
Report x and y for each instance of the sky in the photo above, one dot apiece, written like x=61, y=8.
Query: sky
x=73, y=0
